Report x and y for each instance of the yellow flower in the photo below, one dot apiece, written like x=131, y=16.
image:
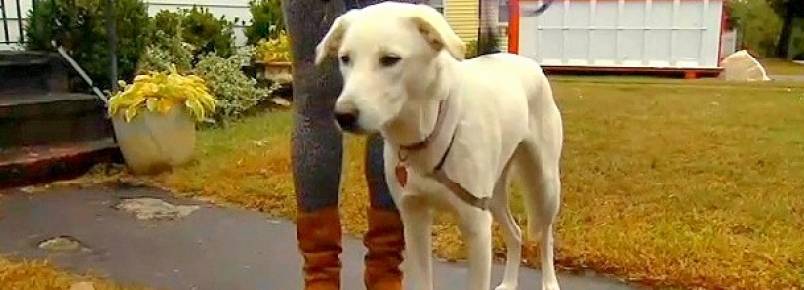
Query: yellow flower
x=160, y=92
x=275, y=49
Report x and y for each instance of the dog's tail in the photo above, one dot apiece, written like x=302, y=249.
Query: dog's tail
x=488, y=41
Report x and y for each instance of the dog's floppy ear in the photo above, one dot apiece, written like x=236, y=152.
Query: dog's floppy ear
x=332, y=40
x=435, y=29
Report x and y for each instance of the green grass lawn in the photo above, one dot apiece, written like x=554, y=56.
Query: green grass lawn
x=776, y=66
x=678, y=184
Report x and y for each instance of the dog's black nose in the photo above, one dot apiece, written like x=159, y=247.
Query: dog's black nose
x=347, y=120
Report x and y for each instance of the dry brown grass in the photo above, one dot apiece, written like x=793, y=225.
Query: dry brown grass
x=680, y=184
x=41, y=275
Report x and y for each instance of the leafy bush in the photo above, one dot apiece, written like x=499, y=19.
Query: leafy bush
x=471, y=49
x=168, y=22
x=797, y=42
x=759, y=24
x=208, y=34
x=275, y=49
x=199, y=28
x=235, y=92
x=266, y=20
x=80, y=27
x=164, y=52
x=160, y=92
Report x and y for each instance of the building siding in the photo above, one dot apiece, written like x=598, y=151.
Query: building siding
x=462, y=15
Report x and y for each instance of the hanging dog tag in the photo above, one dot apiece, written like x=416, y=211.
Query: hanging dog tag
x=401, y=174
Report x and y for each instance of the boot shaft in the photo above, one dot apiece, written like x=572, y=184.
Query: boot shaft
x=319, y=235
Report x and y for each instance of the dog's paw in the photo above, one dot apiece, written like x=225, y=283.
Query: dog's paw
x=550, y=286
x=504, y=286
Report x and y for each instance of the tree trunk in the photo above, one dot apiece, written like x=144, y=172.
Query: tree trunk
x=783, y=47
x=488, y=28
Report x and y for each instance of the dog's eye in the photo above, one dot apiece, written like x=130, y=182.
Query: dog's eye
x=345, y=59
x=389, y=60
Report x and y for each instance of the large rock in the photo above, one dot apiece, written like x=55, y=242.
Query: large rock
x=61, y=244
x=741, y=66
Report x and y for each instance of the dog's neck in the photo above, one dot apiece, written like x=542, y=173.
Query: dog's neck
x=419, y=116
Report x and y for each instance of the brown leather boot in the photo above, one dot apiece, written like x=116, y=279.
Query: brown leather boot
x=385, y=243
x=319, y=236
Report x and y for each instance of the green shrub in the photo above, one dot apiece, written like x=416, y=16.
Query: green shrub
x=206, y=33
x=275, y=49
x=471, y=49
x=164, y=51
x=797, y=41
x=266, y=20
x=80, y=27
x=199, y=28
x=168, y=22
x=235, y=92
x=759, y=25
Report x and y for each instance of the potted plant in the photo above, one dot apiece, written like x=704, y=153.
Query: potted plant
x=154, y=119
x=274, y=56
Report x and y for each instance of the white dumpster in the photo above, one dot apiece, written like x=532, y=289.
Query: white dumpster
x=619, y=34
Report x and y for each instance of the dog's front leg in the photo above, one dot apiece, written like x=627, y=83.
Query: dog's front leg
x=417, y=217
x=475, y=227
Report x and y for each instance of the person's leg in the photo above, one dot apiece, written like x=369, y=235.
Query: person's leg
x=317, y=144
x=384, y=239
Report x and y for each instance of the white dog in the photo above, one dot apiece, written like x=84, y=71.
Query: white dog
x=453, y=129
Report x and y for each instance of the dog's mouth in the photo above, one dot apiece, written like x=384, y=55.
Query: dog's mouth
x=350, y=123
x=355, y=131
x=353, y=128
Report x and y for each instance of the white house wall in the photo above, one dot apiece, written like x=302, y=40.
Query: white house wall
x=620, y=33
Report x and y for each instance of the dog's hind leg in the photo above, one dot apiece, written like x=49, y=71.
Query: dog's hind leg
x=538, y=166
x=511, y=233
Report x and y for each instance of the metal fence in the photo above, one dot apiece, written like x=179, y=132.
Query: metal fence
x=13, y=21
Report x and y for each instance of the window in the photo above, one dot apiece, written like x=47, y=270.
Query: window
x=437, y=4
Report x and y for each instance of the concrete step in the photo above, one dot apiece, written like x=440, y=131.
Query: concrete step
x=37, y=119
x=46, y=163
x=26, y=72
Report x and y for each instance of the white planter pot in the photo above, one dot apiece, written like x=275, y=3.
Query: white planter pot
x=279, y=72
x=154, y=142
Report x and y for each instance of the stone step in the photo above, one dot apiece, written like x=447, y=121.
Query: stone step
x=27, y=165
x=26, y=72
x=37, y=119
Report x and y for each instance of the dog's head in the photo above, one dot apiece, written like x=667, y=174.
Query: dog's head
x=387, y=56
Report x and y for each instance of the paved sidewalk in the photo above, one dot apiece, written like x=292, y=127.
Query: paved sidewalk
x=211, y=248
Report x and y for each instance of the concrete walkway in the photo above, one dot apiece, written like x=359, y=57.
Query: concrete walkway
x=211, y=248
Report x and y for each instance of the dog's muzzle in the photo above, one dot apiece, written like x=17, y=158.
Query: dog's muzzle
x=347, y=121
x=347, y=115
